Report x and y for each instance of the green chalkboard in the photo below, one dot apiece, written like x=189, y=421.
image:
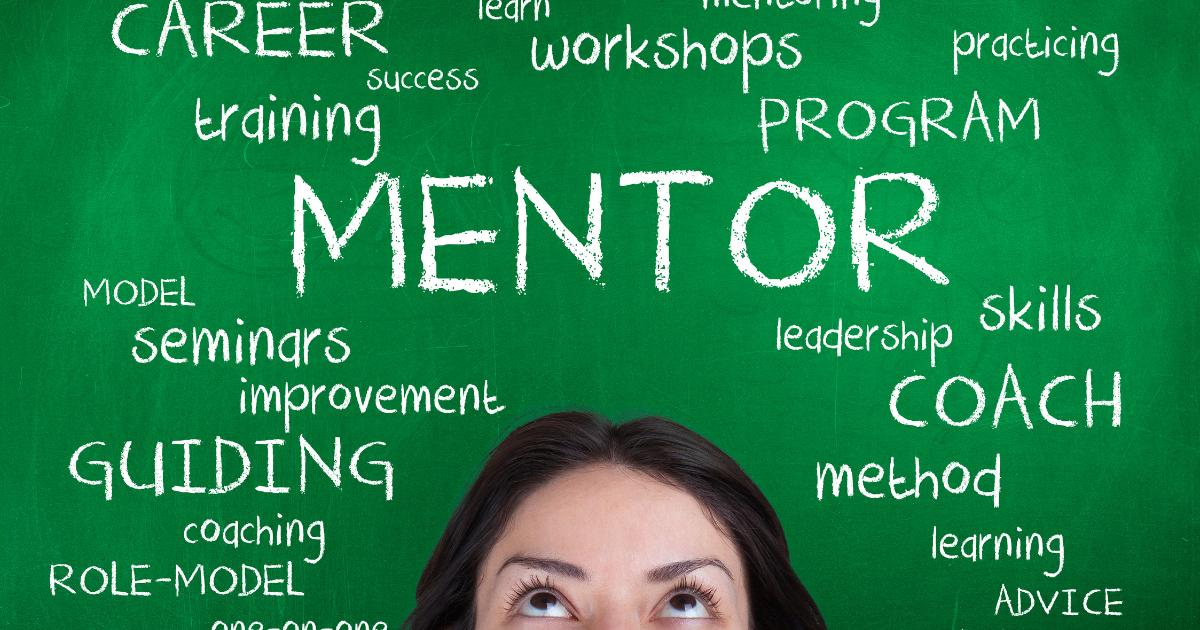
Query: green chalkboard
x=767, y=310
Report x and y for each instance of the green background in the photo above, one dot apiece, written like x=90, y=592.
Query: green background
x=103, y=177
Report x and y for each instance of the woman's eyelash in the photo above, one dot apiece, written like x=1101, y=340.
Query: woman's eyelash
x=706, y=594
x=690, y=585
x=527, y=586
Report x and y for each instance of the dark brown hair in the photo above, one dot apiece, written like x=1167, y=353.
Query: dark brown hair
x=668, y=452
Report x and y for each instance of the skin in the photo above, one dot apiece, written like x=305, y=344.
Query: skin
x=605, y=539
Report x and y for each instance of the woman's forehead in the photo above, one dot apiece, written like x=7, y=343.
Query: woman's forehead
x=612, y=519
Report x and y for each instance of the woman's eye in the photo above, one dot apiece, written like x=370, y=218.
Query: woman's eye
x=685, y=606
x=543, y=604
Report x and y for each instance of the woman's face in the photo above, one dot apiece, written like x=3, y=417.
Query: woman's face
x=606, y=547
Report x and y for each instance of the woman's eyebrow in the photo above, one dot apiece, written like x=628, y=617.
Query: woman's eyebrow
x=548, y=565
x=675, y=570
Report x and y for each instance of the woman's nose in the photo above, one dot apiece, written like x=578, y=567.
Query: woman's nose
x=616, y=620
